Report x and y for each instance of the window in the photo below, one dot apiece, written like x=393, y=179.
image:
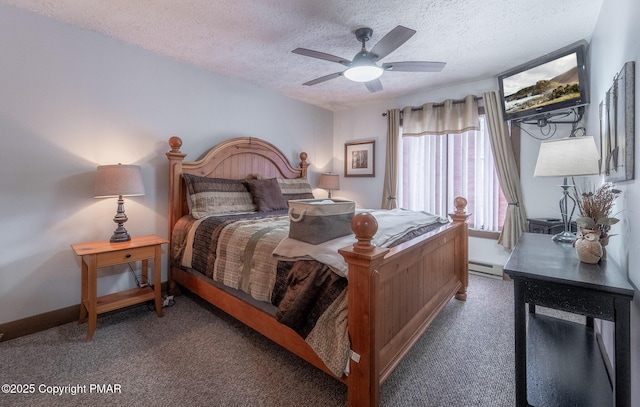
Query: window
x=435, y=169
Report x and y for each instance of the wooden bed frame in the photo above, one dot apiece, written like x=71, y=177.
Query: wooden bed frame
x=393, y=294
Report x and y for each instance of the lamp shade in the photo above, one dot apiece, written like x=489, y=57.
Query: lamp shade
x=568, y=157
x=116, y=180
x=329, y=181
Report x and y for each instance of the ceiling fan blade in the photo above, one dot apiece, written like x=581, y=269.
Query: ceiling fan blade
x=321, y=55
x=374, y=85
x=390, y=42
x=322, y=79
x=414, y=66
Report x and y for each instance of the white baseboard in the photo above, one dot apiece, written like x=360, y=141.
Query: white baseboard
x=485, y=269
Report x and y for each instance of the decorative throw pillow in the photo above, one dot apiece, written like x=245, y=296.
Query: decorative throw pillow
x=266, y=194
x=295, y=188
x=213, y=196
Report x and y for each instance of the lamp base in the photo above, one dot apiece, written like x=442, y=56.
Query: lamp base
x=564, y=237
x=120, y=234
x=120, y=237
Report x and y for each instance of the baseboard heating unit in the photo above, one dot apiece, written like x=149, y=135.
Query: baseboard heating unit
x=484, y=269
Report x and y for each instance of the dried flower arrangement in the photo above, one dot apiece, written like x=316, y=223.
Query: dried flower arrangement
x=595, y=208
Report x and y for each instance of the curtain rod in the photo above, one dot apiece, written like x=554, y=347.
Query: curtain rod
x=415, y=109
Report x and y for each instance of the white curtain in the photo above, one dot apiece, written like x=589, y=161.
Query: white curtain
x=515, y=222
x=427, y=160
x=436, y=169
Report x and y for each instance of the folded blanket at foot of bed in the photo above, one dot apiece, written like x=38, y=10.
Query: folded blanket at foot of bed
x=312, y=300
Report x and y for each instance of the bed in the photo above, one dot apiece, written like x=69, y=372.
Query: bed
x=392, y=293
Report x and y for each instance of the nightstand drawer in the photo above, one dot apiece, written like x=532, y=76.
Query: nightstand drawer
x=125, y=256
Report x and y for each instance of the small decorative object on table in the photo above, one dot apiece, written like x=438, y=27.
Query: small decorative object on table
x=588, y=246
x=595, y=219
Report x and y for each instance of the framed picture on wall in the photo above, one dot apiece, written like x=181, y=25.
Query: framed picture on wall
x=359, y=159
x=617, y=127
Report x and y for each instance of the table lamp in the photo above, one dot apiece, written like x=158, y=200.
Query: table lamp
x=330, y=182
x=118, y=181
x=567, y=157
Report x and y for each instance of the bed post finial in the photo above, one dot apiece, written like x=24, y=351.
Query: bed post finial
x=303, y=164
x=365, y=226
x=175, y=143
x=460, y=215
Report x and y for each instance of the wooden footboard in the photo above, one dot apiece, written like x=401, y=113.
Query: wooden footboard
x=395, y=294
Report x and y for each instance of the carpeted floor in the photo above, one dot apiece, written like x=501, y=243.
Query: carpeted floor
x=198, y=356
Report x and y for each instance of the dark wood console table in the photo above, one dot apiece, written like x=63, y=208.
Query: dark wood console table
x=549, y=274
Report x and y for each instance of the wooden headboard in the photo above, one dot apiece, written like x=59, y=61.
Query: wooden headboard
x=238, y=158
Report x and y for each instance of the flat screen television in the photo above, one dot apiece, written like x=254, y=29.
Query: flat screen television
x=554, y=82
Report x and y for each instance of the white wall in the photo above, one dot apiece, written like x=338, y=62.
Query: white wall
x=73, y=99
x=614, y=42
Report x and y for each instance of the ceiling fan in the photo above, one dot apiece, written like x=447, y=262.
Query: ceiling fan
x=363, y=67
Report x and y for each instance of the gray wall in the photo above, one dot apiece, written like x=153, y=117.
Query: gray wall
x=72, y=99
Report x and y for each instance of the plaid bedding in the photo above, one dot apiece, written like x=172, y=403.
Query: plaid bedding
x=237, y=250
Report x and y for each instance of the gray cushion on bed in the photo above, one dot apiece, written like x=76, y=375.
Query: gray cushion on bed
x=266, y=194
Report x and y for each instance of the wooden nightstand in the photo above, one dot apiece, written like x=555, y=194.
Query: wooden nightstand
x=103, y=253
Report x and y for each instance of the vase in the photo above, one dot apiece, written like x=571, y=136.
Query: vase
x=588, y=246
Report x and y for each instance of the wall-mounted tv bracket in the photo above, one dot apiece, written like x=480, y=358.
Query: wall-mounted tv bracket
x=549, y=118
x=547, y=122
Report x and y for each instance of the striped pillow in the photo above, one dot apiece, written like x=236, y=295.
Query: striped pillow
x=214, y=196
x=295, y=188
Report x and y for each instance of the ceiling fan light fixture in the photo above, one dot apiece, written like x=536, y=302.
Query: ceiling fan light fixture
x=363, y=73
x=363, y=68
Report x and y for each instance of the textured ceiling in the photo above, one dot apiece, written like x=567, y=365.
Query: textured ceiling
x=252, y=40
